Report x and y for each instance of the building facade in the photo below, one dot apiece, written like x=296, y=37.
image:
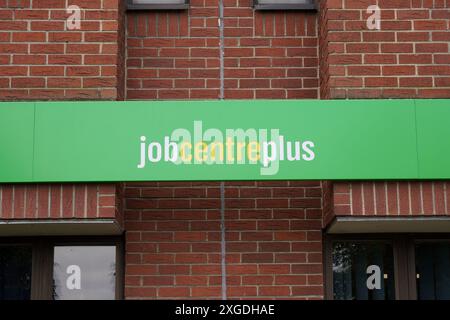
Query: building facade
x=285, y=239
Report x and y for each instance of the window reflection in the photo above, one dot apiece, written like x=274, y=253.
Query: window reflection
x=363, y=271
x=15, y=272
x=84, y=272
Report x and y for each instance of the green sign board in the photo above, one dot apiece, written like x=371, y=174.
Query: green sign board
x=224, y=140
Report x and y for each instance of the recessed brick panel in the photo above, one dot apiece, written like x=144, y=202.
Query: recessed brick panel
x=273, y=244
x=175, y=55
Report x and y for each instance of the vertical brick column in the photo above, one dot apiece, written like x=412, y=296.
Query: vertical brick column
x=273, y=229
x=407, y=58
x=41, y=59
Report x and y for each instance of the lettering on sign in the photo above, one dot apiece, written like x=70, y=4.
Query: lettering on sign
x=266, y=147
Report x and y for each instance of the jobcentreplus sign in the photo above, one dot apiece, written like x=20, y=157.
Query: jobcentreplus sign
x=266, y=147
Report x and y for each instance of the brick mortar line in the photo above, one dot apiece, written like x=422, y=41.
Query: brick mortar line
x=374, y=195
x=422, y=211
x=36, y=209
x=13, y=201
x=97, y=192
x=363, y=202
x=73, y=201
x=409, y=198
x=61, y=201
x=398, y=197
x=386, y=198
x=49, y=200
x=445, y=198
x=433, y=196
x=351, y=197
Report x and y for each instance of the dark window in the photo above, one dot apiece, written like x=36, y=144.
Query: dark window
x=15, y=272
x=363, y=271
x=385, y=267
x=284, y=4
x=157, y=4
x=433, y=271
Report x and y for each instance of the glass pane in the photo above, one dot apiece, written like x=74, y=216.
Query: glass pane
x=363, y=271
x=84, y=273
x=433, y=271
x=15, y=273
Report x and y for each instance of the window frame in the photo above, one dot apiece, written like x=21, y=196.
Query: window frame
x=403, y=246
x=157, y=6
x=42, y=259
x=285, y=6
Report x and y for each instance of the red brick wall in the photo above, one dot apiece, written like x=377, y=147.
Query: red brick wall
x=408, y=58
x=58, y=201
x=392, y=198
x=175, y=55
x=273, y=240
x=41, y=60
